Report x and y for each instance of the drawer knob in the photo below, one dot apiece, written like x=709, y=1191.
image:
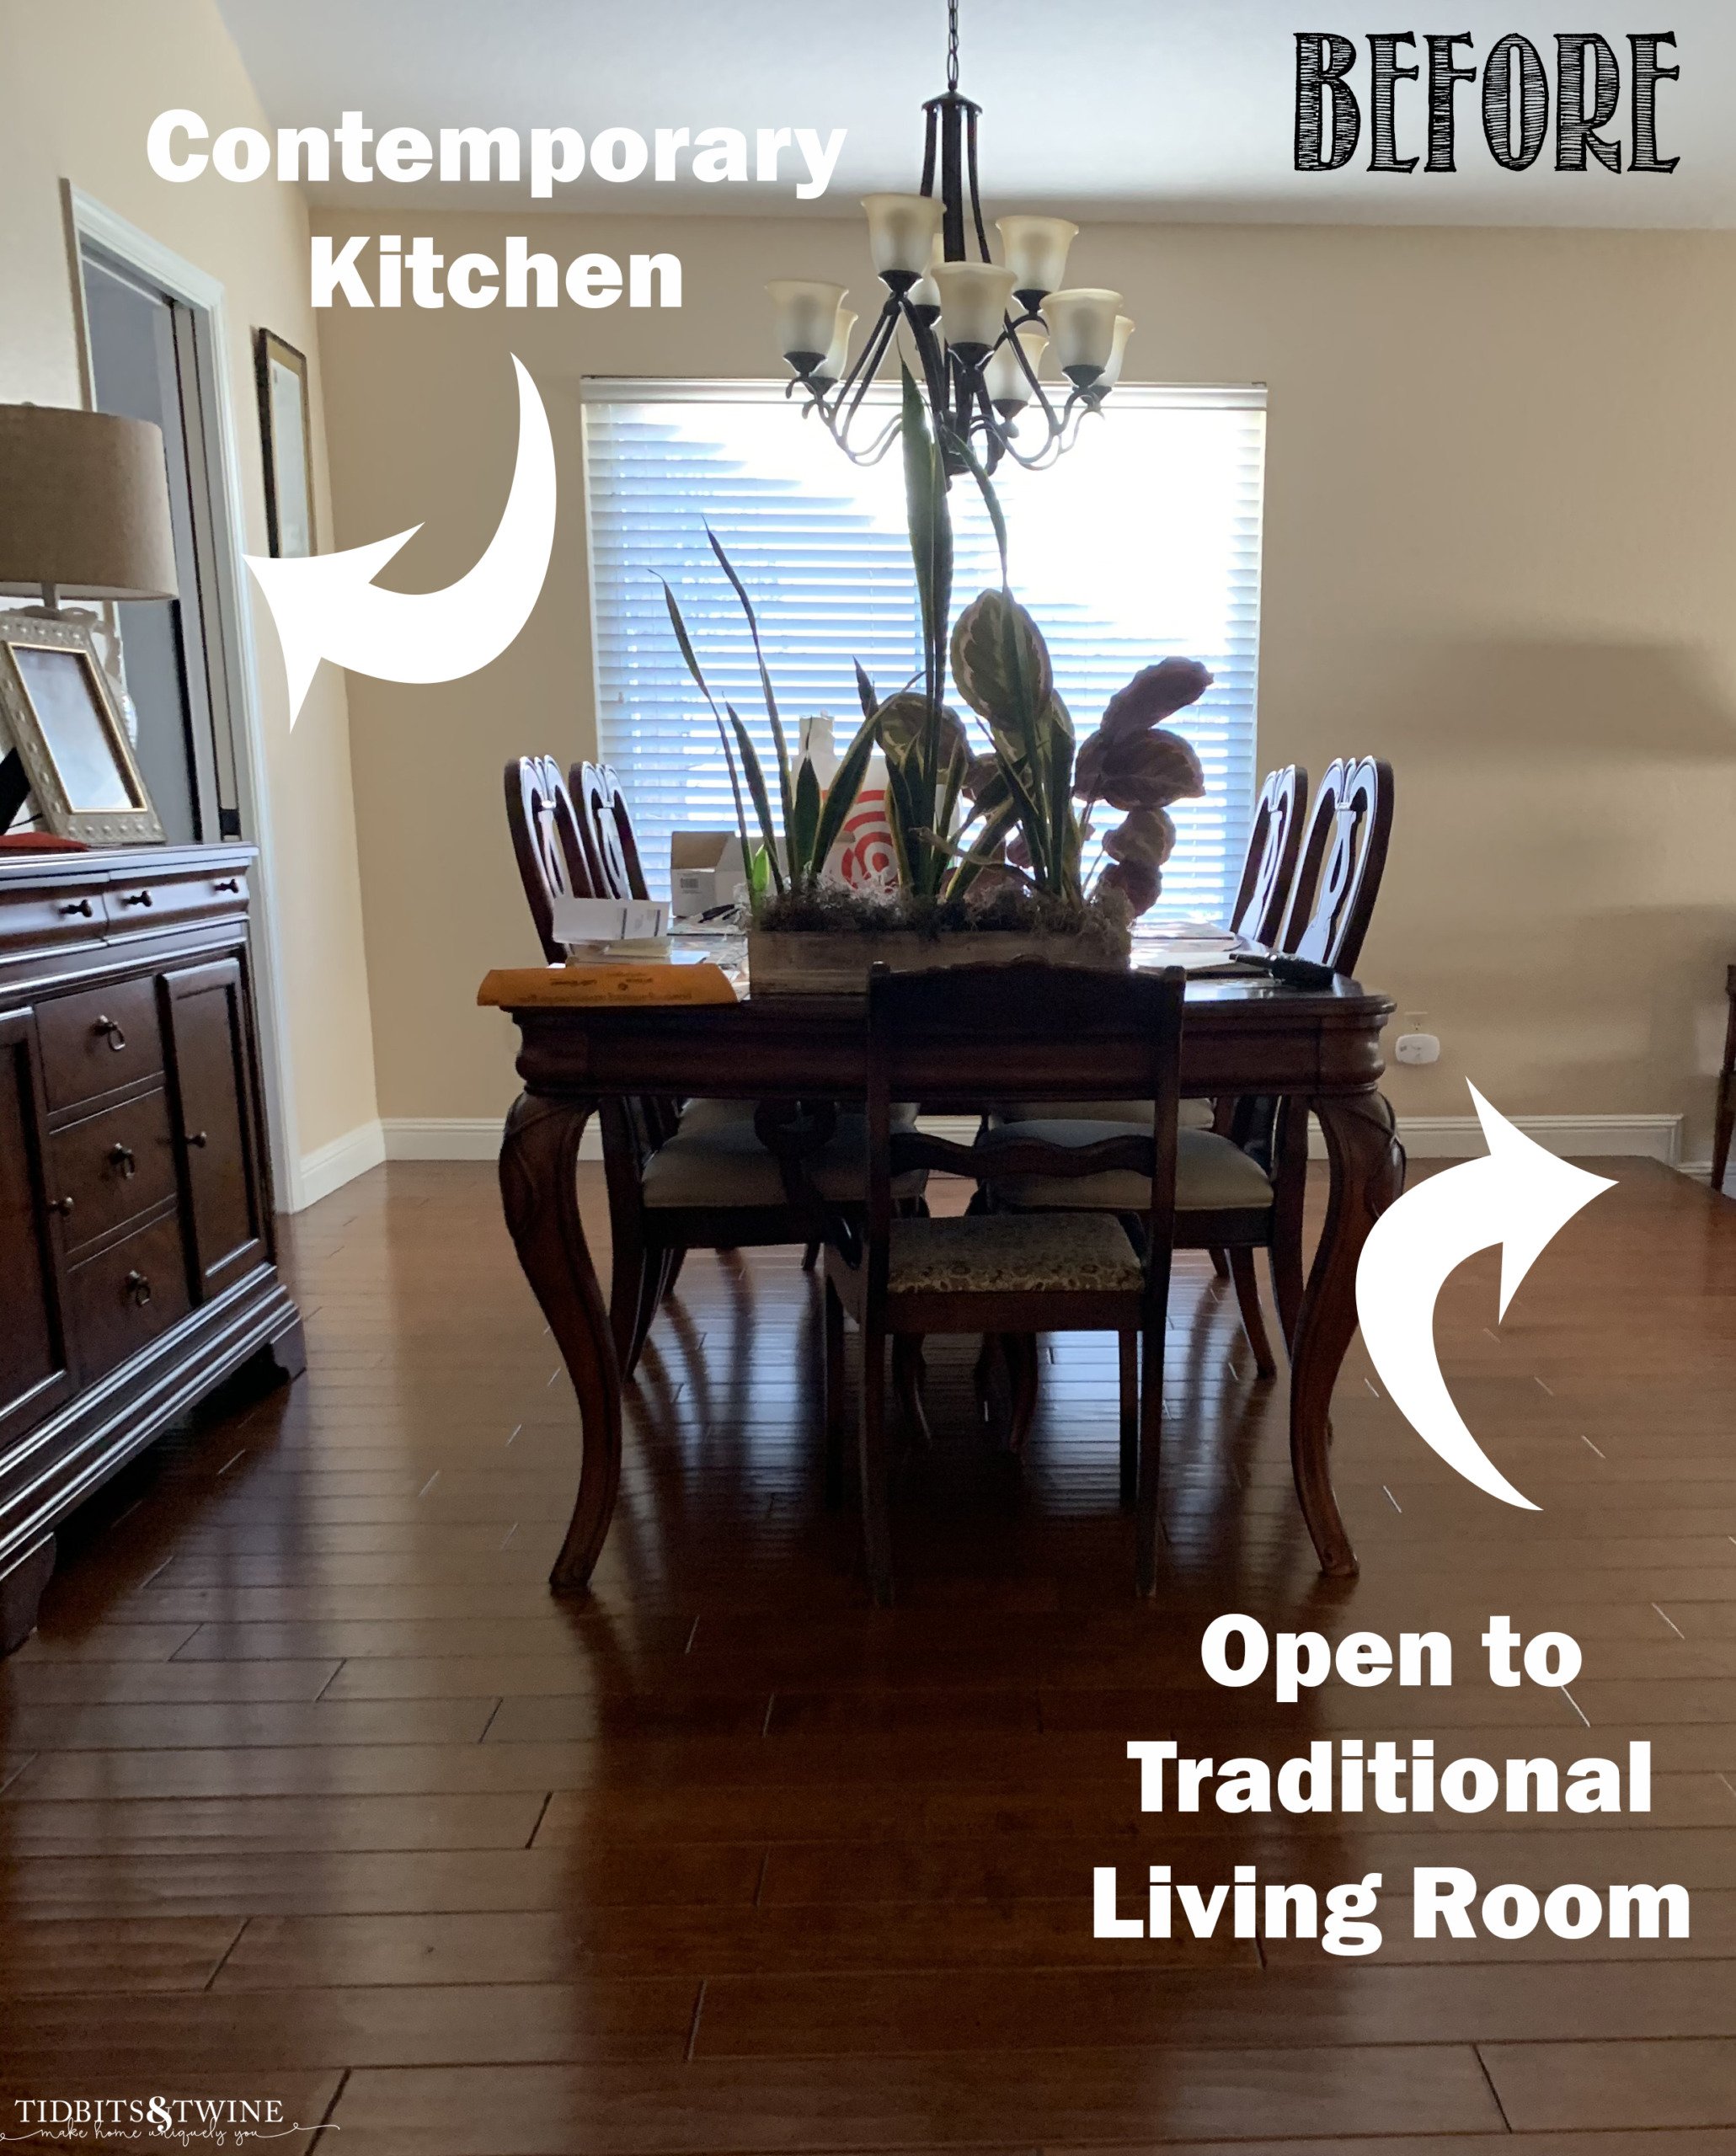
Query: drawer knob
x=226, y=884
x=138, y=1289
x=117, y=1039
x=197, y=1137
x=78, y=905
x=137, y=899
x=122, y=1156
x=63, y=1206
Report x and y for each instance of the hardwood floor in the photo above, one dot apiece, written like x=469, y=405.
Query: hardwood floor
x=308, y=1791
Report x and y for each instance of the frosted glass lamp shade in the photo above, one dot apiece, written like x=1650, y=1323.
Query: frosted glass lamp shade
x=84, y=505
x=902, y=229
x=1035, y=251
x=1081, y=322
x=807, y=317
x=1118, y=351
x=974, y=300
x=836, y=363
x=1005, y=380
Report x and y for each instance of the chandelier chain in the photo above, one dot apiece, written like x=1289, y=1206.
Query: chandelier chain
x=951, y=44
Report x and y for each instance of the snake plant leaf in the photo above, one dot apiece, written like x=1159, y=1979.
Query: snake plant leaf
x=803, y=825
x=762, y=799
x=983, y=850
x=931, y=528
x=753, y=630
x=686, y=643
x=865, y=692
x=985, y=488
x=840, y=795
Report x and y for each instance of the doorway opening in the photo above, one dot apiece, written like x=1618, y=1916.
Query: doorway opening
x=155, y=344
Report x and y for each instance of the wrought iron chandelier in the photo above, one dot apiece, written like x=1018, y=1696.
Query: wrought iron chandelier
x=974, y=333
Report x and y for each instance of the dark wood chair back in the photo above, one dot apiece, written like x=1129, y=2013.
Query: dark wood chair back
x=1273, y=847
x=546, y=842
x=1344, y=859
x=1036, y=1032
x=607, y=826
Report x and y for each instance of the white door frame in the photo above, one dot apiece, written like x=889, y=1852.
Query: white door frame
x=228, y=623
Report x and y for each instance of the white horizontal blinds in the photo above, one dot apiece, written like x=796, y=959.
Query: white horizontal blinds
x=1143, y=541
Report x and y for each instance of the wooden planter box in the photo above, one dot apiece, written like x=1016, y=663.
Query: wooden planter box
x=832, y=962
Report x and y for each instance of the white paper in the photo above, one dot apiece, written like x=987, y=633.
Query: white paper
x=608, y=920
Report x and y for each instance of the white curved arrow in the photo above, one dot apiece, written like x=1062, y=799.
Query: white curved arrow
x=1517, y=1195
x=327, y=605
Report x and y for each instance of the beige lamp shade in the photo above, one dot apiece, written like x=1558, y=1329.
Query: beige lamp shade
x=84, y=505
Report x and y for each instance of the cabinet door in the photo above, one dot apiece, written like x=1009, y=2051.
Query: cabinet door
x=206, y=1024
x=35, y=1365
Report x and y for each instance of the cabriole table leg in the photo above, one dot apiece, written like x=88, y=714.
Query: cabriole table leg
x=1367, y=1174
x=539, y=1189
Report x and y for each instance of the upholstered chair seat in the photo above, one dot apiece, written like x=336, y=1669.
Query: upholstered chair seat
x=1212, y=1175
x=1000, y=1253
x=721, y=1161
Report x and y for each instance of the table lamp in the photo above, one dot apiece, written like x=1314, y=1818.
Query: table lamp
x=84, y=515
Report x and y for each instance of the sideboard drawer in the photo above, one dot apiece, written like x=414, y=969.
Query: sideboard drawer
x=127, y=1294
x=93, y=1043
x=112, y=1166
x=151, y=904
x=45, y=919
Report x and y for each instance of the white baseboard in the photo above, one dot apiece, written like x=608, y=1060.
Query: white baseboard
x=463, y=1137
x=330, y=1167
x=1425, y=1138
x=1574, y=1137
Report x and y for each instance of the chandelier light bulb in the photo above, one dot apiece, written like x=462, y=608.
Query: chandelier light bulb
x=1081, y=322
x=836, y=364
x=902, y=229
x=1118, y=351
x=974, y=300
x=1035, y=251
x=806, y=314
x=1007, y=385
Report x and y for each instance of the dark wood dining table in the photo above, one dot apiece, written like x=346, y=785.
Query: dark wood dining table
x=1320, y=1047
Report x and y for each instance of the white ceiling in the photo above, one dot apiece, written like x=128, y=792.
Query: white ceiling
x=1166, y=108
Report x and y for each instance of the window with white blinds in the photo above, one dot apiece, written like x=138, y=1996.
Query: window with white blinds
x=1143, y=541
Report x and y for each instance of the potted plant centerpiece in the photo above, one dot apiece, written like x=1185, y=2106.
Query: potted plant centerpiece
x=989, y=840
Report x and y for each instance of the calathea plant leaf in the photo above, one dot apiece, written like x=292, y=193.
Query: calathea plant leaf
x=990, y=680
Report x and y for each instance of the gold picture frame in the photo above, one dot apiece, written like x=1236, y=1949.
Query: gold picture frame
x=58, y=707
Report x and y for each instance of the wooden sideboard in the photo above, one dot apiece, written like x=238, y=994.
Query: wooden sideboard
x=138, y=1255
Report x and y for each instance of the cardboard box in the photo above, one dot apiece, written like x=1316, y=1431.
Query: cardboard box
x=704, y=869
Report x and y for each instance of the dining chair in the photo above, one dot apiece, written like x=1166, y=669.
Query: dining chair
x=605, y=825
x=1270, y=866
x=1268, y=871
x=547, y=844
x=973, y=1029
x=681, y=1176
x=1241, y=1189
x=1724, y=1112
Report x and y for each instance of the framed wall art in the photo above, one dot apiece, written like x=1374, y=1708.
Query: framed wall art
x=286, y=432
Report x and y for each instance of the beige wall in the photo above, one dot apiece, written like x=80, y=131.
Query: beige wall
x=83, y=80
x=1501, y=534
